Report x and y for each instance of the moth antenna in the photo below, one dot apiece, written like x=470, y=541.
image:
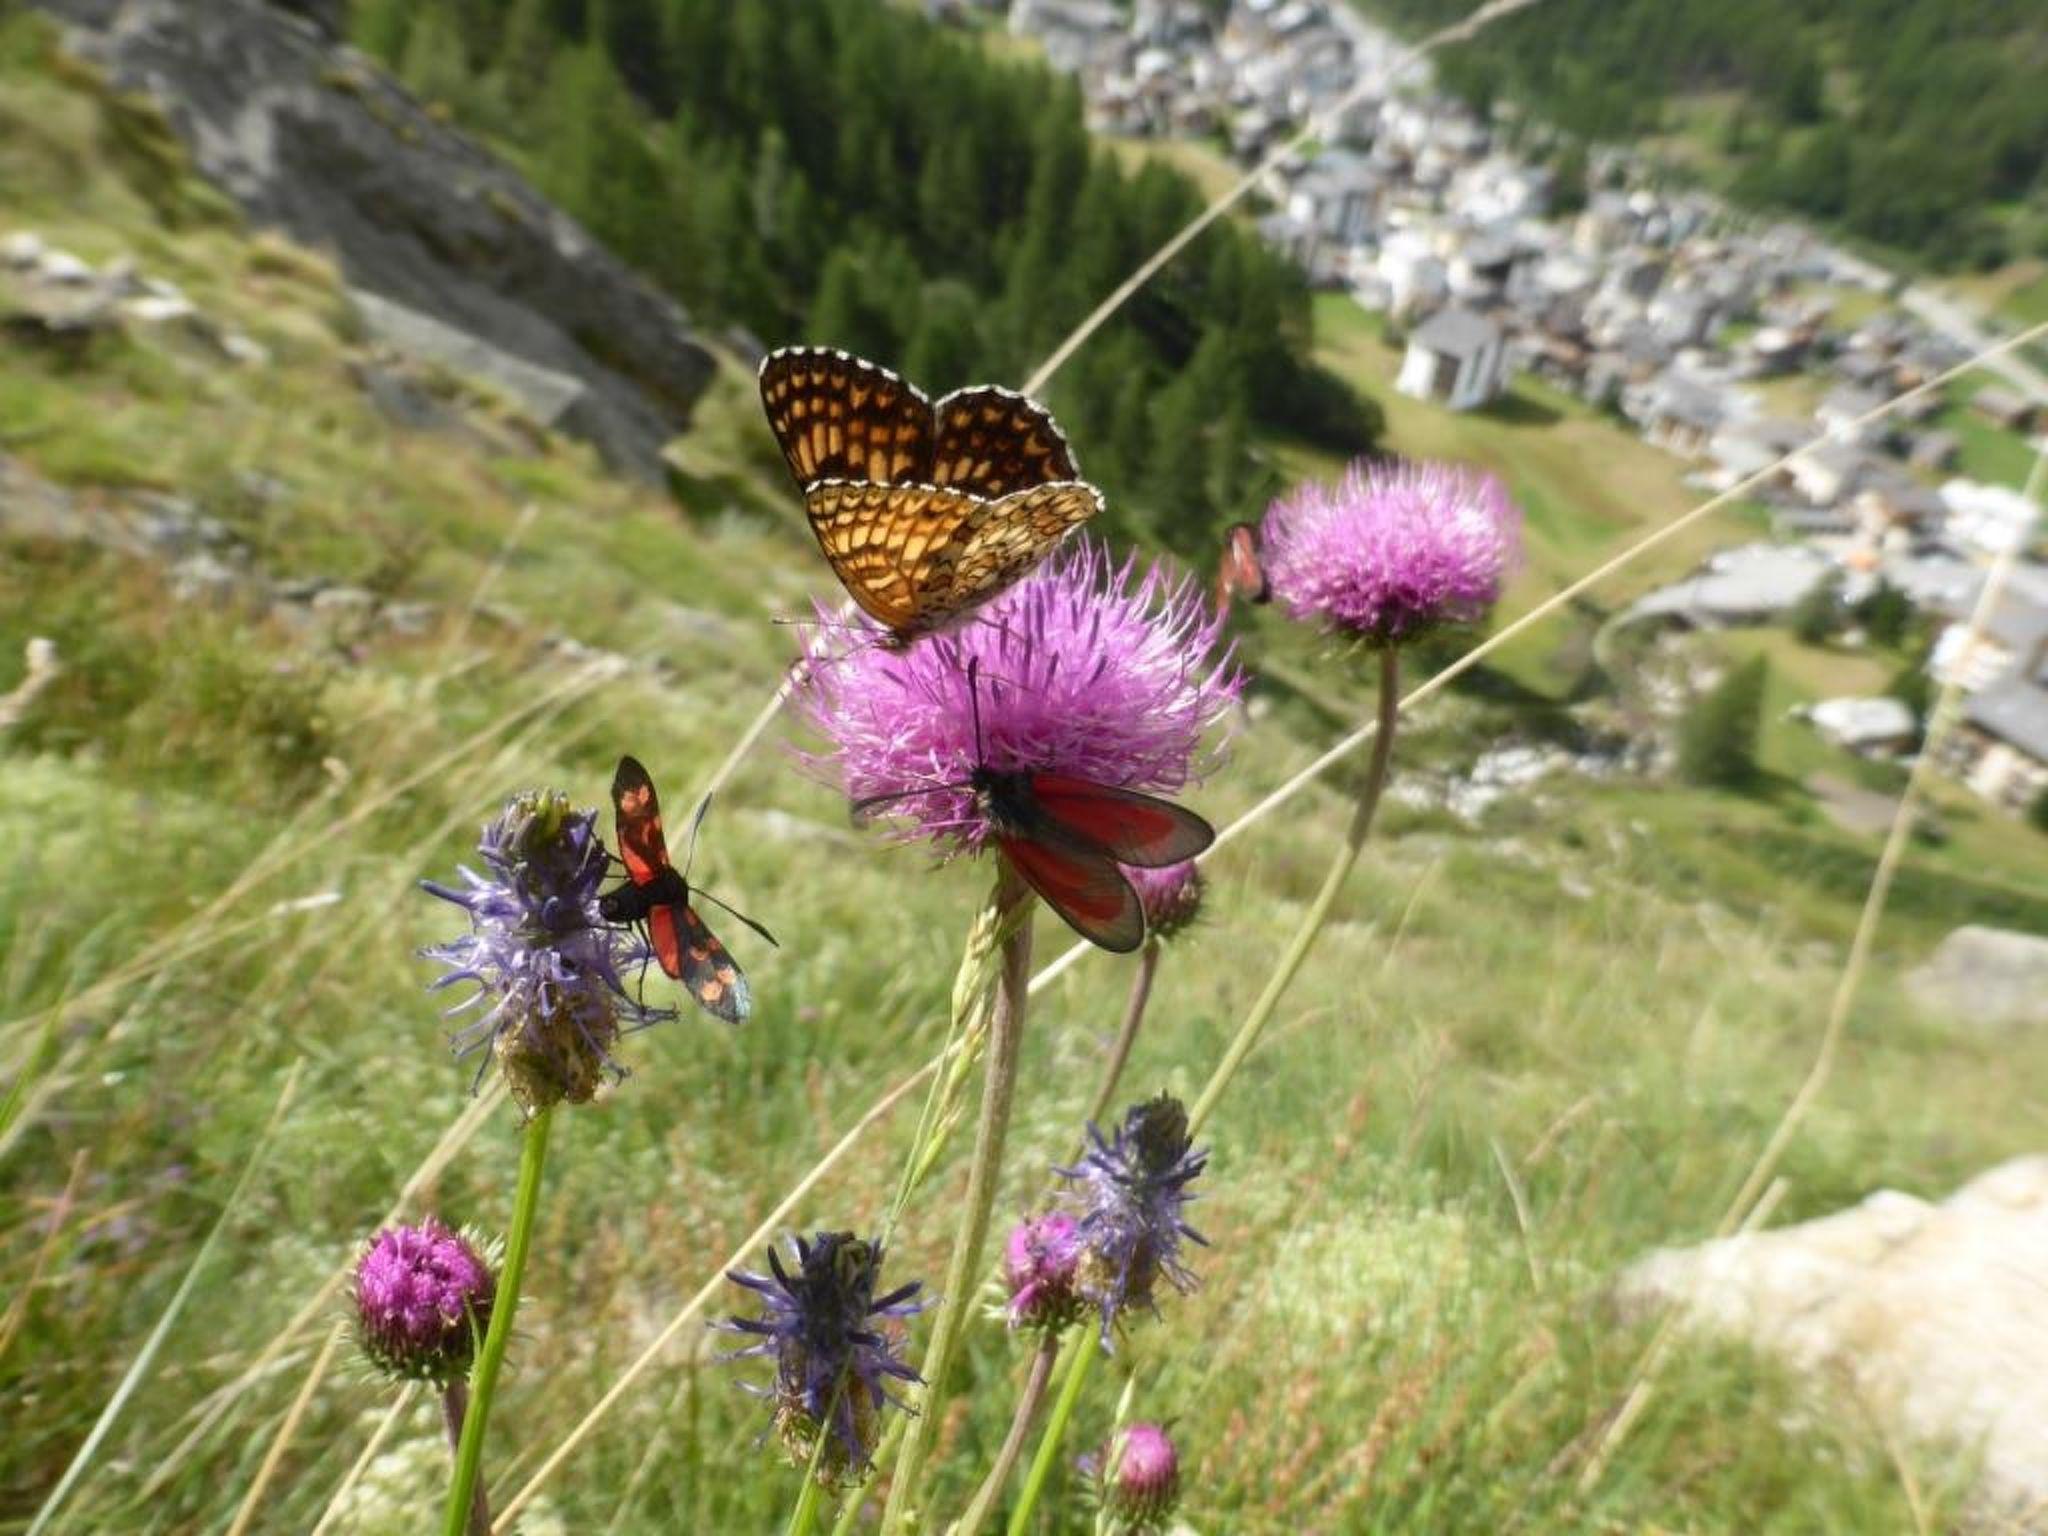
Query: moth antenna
x=974, y=703
x=690, y=857
x=736, y=912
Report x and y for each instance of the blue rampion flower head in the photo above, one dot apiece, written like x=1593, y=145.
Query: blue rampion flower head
x=1130, y=1192
x=832, y=1363
x=547, y=969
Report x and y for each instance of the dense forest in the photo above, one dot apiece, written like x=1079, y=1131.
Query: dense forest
x=1921, y=124
x=844, y=172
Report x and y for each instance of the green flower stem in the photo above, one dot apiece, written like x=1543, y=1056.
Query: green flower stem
x=963, y=1271
x=533, y=1155
x=1013, y=1444
x=1086, y=1345
x=1134, y=1015
x=455, y=1409
x=1319, y=910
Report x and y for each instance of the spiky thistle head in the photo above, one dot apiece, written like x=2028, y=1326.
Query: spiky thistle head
x=1140, y=1472
x=1085, y=667
x=422, y=1298
x=547, y=969
x=818, y=1323
x=1393, y=550
x=1041, y=1271
x=1130, y=1192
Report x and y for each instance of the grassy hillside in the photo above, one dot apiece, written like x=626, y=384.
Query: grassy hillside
x=1530, y=1049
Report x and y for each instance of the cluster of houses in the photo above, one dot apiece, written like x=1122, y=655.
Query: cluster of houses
x=1659, y=305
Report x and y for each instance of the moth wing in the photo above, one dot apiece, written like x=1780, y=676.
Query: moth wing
x=993, y=441
x=836, y=416
x=666, y=942
x=1133, y=828
x=637, y=812
x=709, y=973
x=1084, y=887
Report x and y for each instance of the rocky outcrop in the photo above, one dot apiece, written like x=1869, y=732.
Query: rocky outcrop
x=1934, y=1316
x=1985, y=977
x=311, y=138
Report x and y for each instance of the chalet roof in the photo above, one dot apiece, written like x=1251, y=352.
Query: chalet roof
x=1457, y=332
x=2014, y=710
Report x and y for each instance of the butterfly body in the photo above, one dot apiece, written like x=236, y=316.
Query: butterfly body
x=656, y=896
x=1067, y=836
x=1241, y=571
x=924, y=511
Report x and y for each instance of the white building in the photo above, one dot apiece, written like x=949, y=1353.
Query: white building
x=1454, y=356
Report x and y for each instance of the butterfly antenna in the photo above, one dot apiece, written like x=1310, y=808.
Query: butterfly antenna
x=974, y=703
x=690, y=856
x=736, y=912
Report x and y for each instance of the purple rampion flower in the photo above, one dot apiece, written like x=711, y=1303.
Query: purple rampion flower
x=830, y=1361
x=1140, y=1475
x=1393, y=550
x=1041, y=1270
x=423, y=1298
x=1084, y=668
x=1130, y=1192
x=547, y=964
x=1172, y=897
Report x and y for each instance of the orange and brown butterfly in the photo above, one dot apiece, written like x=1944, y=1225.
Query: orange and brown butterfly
x=924, y=510
x=1241, y=571
x=656, y=898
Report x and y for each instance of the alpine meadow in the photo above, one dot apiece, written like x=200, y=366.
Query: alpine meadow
x=1031, y=766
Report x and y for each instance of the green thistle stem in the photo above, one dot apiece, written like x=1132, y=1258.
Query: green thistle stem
x=1086, y=1345
x=469, y=1454
x=963, y=1271
x=1013, y=1444
x=1134, y=1015
x=1319, y=910
x=455, y=1409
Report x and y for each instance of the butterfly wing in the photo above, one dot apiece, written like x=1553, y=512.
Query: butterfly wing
x=665, y=940
x=998, y=542
x=837, y=417
x=1085, y=887
x=993, y=441
x=708, y=972
x=1131, y=827
x=637, y=811
x=883, y=542
x=1241, y=573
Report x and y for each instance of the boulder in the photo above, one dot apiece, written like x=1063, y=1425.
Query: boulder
x=1990, y=977
x=1934, y=1316
x=311, y=138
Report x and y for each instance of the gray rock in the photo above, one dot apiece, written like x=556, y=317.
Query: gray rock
x=310, y=137
x=553, y=399
x=1985, y=976
x=1934, y=1317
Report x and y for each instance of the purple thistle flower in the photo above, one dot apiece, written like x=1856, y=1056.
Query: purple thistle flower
x=1172, y=897
x=1084, y=668
x=549, y=966
x=830, y=1361
x=423, y=1298
x=1392, y=550
x=1141, y=1475
x=1041, y=1269
x=1131, y=1192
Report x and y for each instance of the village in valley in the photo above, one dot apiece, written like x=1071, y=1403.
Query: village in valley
x=1725, y=339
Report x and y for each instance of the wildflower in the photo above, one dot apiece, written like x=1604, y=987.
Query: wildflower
x=1131, y=1191
x=549, y=967
x=1084, y=668
x=1140, y=1475
x=1172, y=896
x=1041, y=1261
x=1393, y=550
x=423, y=1298
x=830, y=1361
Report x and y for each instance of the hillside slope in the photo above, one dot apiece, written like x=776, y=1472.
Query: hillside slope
x=316, y=609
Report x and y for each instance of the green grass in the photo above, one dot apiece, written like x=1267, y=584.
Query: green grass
x=1984, y=450
x=1607, y=990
